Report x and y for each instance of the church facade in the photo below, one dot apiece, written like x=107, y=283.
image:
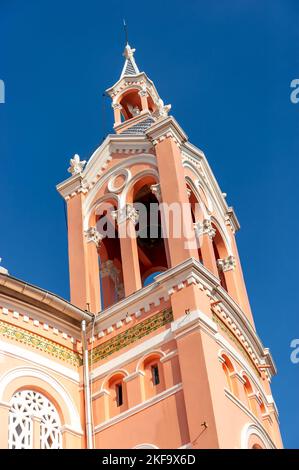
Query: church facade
x=157, y=347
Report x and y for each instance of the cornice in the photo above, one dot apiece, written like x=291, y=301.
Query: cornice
x=166, y=127
x=14, y=288
x=99, y=160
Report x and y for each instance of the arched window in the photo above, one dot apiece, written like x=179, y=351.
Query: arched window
x=118, y=394
x=229, y=371
x=25, y=406
x=248, y=393
x=153, y=375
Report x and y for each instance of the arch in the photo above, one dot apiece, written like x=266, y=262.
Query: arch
x=145, y=446
x=91, y=196
x=153, y=381
x=35, y=379
x=251, y=431
x=119, y=372
x=229, y=372
x=155, y=353
x=26, y=405
x=201, y=183
x=150, y=176
x=118, y=400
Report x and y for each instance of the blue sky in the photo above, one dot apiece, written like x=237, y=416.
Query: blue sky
x=226, y=68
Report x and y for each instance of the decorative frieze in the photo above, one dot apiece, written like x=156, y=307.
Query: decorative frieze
x=131, y=335
x=92, y=235
x=37, y=342
x=227, y=264
x=204, y=228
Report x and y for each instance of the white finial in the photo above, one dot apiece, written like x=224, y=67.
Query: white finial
x=76, y=165
x=128, y=52
x=3, y=270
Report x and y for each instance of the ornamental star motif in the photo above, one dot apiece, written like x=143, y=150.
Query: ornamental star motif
x=76, y=165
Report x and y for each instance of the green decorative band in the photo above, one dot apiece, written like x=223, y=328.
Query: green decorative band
x=232, y=337
x=38, y=342
x=131, y=335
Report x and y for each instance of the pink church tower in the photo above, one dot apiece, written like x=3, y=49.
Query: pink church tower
x=174, y=357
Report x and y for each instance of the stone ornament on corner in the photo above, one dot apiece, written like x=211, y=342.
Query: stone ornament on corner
x=76, y=165
x=227, y=264
x=93, y=236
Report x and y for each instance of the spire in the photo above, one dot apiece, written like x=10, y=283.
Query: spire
x=130, y=67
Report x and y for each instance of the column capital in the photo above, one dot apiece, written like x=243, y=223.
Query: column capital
x=156, y=190
x=116, y=106
x=92, y=235
x=204, y=228
x=128, y=212
x=227, y=264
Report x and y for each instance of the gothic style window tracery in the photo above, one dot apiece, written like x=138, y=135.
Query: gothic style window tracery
x=25, y=406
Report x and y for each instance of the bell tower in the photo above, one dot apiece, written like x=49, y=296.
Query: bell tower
x=149, y=230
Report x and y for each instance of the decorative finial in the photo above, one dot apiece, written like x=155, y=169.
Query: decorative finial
x=128, y=52
x=3, y=270
x=76, y=165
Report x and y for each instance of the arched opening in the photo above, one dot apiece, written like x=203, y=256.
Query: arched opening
x=33, y=413
x=150, y=241
x=153, y=375
x=131, y=104
x=110, y=263
x=248, y=393
x=118, y=394
x=220, y=252
x=229, y=372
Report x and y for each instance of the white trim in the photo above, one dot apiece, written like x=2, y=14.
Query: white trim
x=12, y=350
x=26, y=372
x=251, y=429
x=140, y=407
x=145, y=446
x=237, y=357
x=133, y=353
x=256, y=424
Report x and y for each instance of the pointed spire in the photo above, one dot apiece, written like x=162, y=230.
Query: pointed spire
x=130, y=67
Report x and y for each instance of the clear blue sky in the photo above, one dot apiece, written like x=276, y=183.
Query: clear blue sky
x=226, y=68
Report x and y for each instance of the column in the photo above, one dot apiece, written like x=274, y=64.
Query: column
x=127, y=218
x=36, y=432
x=4, y=417
x=117, y=113
x=135, y=389
x=167, y=137
x=205, y=234
x=78, y=266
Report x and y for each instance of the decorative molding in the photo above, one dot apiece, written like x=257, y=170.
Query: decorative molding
x=156, y=190
x=37, y=342
x=131, y=335
x=92, y=235
x=204, y=228
x=165, y=128
x=227, y=264
x=128, y=212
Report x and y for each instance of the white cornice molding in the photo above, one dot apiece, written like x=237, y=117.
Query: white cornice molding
x=99, y=160
x=166, y=127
